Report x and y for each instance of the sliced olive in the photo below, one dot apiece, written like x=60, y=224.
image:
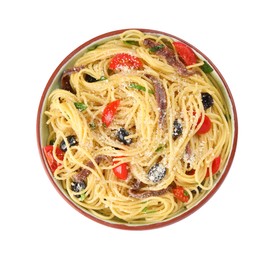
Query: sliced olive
x=78, y=186
x=156, y=173
x=207, y=100
x=89, y=78
x=71, y=140
x=121, y=134
x=177, y=129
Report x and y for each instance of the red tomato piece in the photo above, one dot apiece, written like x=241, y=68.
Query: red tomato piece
x=109, y=112
x=121, y=171
x=206, y=125
x=48, y=152
x=181, y=194
x=215, y=166
x=125, y=60
x=186, y=53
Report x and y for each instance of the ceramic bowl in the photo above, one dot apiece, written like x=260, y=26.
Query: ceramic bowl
x=42, y=130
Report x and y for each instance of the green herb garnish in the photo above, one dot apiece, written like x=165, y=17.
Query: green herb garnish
x=132, y=43
x=228, y=117
x=156, y=48
x=92, y=125
x=139, y=87
x=82, y=197
x=146, y=211
x=167, y=43
x=52, y=142
x=159, y=148
x=102, y=78
x=80, y=106
x=206, y=67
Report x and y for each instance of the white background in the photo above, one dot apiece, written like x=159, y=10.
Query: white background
x=36, y=223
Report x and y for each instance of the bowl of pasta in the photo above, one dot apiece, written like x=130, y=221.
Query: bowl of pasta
x=136, y=129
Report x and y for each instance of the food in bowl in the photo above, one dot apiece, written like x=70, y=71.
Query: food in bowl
x=140, y=129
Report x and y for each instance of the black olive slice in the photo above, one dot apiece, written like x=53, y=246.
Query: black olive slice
x=71, y=140
x=156, y=173
x=207, y=100
x=177, y=129
x=121, y=134
x=78, y=186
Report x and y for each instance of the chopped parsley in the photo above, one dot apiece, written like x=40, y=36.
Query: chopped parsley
x=102, y=78
x=159, y=148
x=156, y=48
x=147, y=211
x=92, y=125
x=228, y=117
x=139, y=87
x=132, y=43
x=80, y=106
x=206, y=67
x=82, y=197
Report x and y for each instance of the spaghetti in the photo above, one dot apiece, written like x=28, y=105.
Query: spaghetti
x=137, y=133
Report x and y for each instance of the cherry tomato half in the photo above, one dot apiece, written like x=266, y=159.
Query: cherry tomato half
x=180, y=194
x=186, y=53
x=125, y=60
x=109, y=112
x=121, y=171
x=52, y=162
x=206, y=125
x=215, y=166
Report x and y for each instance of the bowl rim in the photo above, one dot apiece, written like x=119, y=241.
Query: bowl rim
x=126, y=226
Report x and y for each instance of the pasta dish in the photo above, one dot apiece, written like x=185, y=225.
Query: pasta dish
x=138, y=129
